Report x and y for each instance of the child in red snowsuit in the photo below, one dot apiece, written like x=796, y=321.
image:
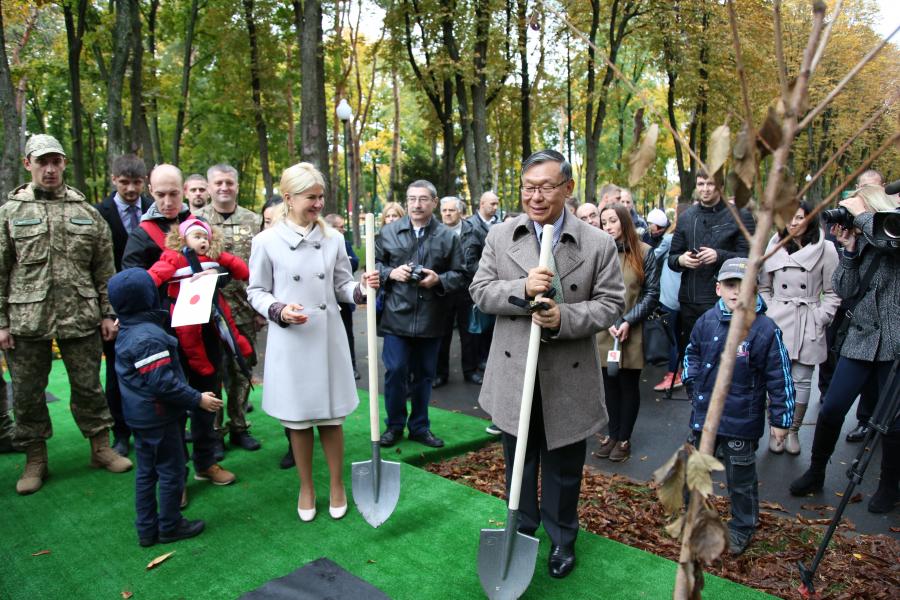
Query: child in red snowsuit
x=194, y=235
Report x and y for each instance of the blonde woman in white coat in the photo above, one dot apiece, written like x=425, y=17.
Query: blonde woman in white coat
x=796, y=285
x=299, y=271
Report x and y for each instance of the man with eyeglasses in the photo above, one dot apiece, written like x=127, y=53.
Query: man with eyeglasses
x=420, y=262
x=585, y=295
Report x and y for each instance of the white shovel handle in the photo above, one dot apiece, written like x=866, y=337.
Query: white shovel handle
x=534, y=344
x=371, y=332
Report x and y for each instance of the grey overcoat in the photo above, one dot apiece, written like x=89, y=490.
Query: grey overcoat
x=800, y=298
x=308, y=374
x=568, y=367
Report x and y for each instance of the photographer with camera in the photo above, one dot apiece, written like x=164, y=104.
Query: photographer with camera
x=868, y=277
x=420, y=262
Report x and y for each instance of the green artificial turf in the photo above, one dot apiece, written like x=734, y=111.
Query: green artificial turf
x=427, y=549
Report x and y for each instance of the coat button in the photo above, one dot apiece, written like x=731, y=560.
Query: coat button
x=575, y=366
x=803, y=269
x=317, y=245
x=512, y=318
x=322, y=306
x=573, y=287
x=296, y=278
x=320, y=275
x=784, y=268
x=508, y=355
x=802, y=286
x=293, y=247
x=859, y=327
x=784, y=286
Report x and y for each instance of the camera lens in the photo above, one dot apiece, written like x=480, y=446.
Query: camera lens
x=891, y=225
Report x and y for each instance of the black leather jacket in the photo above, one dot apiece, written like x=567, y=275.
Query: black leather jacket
x=648, y=299
x=713, y=228
x=411, y=310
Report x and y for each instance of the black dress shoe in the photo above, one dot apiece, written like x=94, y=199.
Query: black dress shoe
x=219, y=450
x=427, y=438
x=356, y=375
x=185, y=529
x=858, y=434
x=146, y=542
x=390, y=437
x=475, y=378
x=438, y=382
x=287, y=461
x=562, y=561
x=245, y=440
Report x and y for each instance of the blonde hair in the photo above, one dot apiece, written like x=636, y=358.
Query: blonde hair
x=875, y=198
x=296, y=179
x=392, y=206
x=175, y=242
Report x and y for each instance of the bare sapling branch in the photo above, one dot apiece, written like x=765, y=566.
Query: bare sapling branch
x=847, y=78
x=779, y=47
x=826, y=35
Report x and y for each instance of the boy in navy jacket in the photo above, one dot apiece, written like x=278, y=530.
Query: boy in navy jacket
x=762, y=368
x=155, y=395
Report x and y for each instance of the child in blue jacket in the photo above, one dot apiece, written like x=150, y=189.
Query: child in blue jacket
x=762, y=368
x=155, y=395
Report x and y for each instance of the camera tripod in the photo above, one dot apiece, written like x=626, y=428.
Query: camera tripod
x=886, y=413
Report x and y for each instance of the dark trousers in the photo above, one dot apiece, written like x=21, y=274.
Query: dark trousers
x=347, y=318
x=623, y=401
x=851, y=377
x=739, y=458
x=673, y=323
x=404, y=357
x=560, y=471
x=689, y=314
x=113, y=394
x=159, y=460
x=868, y=395
x=459, y=309
x=203, y=422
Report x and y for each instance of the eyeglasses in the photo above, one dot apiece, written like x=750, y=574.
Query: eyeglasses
x=418, y=199
x=530, y=190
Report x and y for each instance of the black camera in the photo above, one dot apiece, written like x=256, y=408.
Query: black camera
x=416, y=275
x=838, y=216
x=886, y=226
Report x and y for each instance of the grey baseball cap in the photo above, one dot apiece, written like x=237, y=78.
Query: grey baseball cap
x=40, y=144
x=733, y=268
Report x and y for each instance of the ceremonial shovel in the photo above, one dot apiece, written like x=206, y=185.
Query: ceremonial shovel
x=376, y=482
x=506, y=557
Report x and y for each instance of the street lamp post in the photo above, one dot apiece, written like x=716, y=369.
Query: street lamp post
x=345, y=114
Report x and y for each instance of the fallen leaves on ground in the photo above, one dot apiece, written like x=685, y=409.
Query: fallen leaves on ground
x=618, y=508
x=126, y=594
x=159, y=560
x=40, y=553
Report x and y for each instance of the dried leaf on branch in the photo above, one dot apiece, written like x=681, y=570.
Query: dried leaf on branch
x=699, y=472
x=786, y=203
x=719, y=148
x=671, y=477
x=745, y=164
x=709, y=536
x=643, y=156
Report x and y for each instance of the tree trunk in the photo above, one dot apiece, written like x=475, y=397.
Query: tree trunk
x=75, y=38
x=140, y=132
x=479, y=100
x=115, y=120
x=394, y=179
x=154, y=108
x=9, y=161
x=524, y=86
x=256, y=86
x=185, y=80
x=313, y=121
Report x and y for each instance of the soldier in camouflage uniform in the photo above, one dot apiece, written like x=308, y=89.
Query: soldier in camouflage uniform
x=55, y=259
x=239, y=225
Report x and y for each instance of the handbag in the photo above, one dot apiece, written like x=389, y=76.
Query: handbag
x=656, y=341
x=480, y=322
x=841, y=334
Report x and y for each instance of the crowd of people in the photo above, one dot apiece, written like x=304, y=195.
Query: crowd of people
x=102, y=281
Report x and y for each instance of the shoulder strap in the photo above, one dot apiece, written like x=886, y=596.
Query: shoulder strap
x=865, y=282
x=155, y=232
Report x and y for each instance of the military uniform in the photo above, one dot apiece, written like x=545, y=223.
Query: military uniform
x=238, y=230
x=55, y=259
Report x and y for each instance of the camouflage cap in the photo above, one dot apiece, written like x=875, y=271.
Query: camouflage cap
x=40, y=144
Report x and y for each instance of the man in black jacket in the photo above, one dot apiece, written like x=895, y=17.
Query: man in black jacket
x=122, y=210
x=420, y=261
x=705, y=237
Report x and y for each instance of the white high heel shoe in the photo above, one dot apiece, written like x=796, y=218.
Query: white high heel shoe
x=308, y=514
x=337, y=512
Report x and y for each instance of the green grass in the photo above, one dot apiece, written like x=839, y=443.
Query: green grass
x=427, y=549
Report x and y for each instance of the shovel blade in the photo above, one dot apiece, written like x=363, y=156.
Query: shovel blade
x=376, y=504
x=500, y=585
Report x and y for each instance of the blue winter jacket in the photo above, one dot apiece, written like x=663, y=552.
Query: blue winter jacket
x=762, y=366
x=154, y=389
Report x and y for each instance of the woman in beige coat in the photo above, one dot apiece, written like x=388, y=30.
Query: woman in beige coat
x=796, y=285
x=299, y=270
x=641, y=276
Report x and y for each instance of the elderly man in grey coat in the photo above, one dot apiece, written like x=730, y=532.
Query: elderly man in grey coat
x=568, y=404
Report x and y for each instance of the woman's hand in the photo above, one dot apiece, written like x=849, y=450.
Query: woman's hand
x=845, y=237
x=292, y=315
x=369, y=280
x=854, y=204
x=624, y=329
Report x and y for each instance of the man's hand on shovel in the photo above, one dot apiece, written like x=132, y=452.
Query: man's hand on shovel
x=548, y=318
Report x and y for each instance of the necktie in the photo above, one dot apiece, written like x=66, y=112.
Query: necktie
x=556, y=282
x=132, y=213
